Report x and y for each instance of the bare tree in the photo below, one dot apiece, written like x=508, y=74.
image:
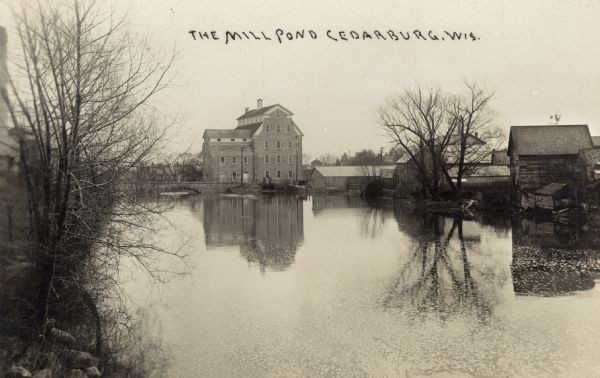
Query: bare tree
x=417, y=121
x=80, y=97
x=442, y=133
x=476, y=136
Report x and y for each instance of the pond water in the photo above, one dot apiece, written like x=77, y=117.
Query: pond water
x=332, y=286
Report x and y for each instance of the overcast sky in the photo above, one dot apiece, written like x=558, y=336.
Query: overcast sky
x=540, y=57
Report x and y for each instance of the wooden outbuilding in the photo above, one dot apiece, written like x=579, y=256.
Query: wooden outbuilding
x=541, y=155
x=551, y=197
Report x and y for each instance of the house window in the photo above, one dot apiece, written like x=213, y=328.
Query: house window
x=279, y=145
x=289, y=128
x=234, y=160
x=218, y=139
x=278, y=174
x=278, y=128
x=244, y=139
x=266, y=159
x=290, y=174
x=245, y=159
x=234, y=175
x=222, y=160
x=278, y=159
x=290, y=145
x=267, y=128
x=290, y=159
x=232, y=139
x=266, y=144
x=267, y=174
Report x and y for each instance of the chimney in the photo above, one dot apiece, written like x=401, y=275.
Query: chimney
x=247, y=109
x=476, y=134
x=259, y=103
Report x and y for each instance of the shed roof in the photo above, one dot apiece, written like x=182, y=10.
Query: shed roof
x=252, y=127
x=227, y=133
x=551, y=189
x=549, y=140
x=590, y=155
x=351, y=170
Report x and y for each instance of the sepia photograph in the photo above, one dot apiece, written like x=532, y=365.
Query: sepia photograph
x=280, y=188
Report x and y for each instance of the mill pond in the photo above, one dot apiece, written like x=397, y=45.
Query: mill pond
x=334, y=286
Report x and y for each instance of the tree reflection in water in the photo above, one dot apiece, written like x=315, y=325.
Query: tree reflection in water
x=373, y=220
x=437, y=278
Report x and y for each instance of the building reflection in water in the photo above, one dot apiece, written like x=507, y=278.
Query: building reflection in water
x=551, y=258
x=268, y=230
x=450, y=270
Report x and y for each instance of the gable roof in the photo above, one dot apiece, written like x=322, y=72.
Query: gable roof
x=351, y=170
x=263, y=110
x=500, y=157
x=407, y=156
x=471, y=140
x=227, y=133
x=296, y=126
x=404, y=159
x=549, y=140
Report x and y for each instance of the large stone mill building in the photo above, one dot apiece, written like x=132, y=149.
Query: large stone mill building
x=266, y=146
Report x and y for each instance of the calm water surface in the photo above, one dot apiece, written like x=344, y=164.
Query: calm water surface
x=331, y=286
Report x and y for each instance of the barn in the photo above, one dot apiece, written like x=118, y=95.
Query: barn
x=540, y=155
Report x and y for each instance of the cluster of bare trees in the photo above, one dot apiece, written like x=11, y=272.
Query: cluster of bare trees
x=79, y=100
x=442, y=133
x=365, y=157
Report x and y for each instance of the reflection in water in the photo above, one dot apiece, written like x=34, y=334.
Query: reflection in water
x=438, y=274
x=323, y=202
x=268, y=230
x=372, y=219
x=551, y=259
x=366, y=290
